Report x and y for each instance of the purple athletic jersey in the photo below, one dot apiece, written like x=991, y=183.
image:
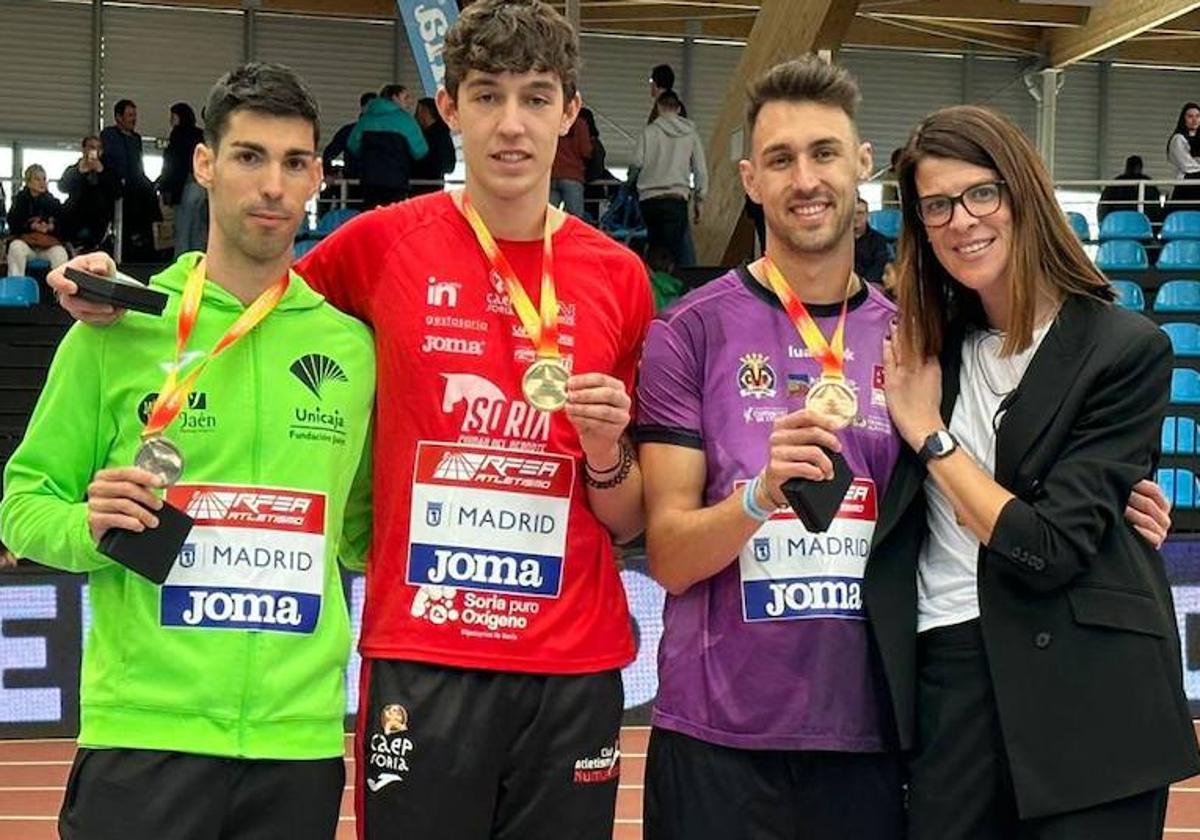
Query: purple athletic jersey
x=772, y=652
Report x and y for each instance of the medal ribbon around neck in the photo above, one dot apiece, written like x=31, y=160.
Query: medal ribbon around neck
x=831, y=354
x=543, y=330
x=175, y=391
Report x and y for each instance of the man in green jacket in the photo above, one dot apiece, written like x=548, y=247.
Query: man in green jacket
x=387, y=140
x=212, y=705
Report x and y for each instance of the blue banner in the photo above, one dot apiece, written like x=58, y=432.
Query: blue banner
x=426, y=22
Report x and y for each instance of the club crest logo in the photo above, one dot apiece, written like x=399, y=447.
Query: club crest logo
x=393, y=718
x=756, y=377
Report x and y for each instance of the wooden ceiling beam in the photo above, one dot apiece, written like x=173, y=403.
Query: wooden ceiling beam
x=1111, y=25
x=1000, y=12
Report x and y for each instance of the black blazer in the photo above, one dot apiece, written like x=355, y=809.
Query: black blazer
x=1075, y=608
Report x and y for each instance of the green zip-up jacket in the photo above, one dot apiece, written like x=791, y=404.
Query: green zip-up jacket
x=242, y=651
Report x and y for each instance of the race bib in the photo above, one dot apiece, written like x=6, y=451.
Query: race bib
x=489, y=519
x=255, y=559
x=788, y=572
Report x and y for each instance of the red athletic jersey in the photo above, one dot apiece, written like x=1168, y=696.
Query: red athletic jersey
x=485, y=553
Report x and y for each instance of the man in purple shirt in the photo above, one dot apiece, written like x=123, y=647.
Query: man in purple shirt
x=773, y=718
x=772, y=715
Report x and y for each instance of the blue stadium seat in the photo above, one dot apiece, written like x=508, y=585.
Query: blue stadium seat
x=37, y=267
x=18, y=291
x=1079, y=224
x=1179, y=436
x=1180, y=255
x=1185, y=339
x=1185, y=387
x=1129, y=295
x=1126, y=224
x=1179, y=486
x=1178, y=296
x=1123, y=255
x=1182, y=224
x=887, y=221
x=303, y=246
x=334, y=219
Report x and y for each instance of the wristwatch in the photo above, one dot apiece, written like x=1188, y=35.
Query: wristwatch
x=938, y=445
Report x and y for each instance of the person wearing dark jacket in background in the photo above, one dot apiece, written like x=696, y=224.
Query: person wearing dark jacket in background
x=595, y=192
x=435, y=166
x=387, y=140
x=91, y=190
x=871, y=253
x=350, y=169
x=35, y=220
x=177, y=186
x=177, y=157
x=1125, y=197
x=123, y=155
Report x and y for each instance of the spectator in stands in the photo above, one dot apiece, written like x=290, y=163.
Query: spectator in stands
x=668, y=158
x=570, y=168
x=35, y=221
x=387, y=140
x=871, y=252
x=350, y=169
x=177, y=176
x=123, y=155
x=1125, y=197
x=595, y=174
x=1183, y=151
x=435, y=166
x=891, y=192
x=662, y=80
x=91, y=190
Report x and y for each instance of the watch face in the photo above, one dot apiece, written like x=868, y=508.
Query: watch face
x=939, y=444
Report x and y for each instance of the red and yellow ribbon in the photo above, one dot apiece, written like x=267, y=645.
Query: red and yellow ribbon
x=831, y=354
x=542, y=329
x=174, y=394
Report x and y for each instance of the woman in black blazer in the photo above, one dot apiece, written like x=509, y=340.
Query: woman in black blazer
x=1028, y=634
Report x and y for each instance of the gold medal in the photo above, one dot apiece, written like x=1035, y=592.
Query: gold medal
x=545, y=384
x=834, y=399
x=161, y=458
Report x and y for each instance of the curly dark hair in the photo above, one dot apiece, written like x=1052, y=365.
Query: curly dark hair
x=514, y=36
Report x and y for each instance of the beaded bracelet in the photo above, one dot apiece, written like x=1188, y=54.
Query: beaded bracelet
x=617, y=474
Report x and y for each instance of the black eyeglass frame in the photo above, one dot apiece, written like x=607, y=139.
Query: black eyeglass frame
x=960, y=199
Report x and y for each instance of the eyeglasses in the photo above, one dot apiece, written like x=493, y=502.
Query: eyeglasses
x=979, y=201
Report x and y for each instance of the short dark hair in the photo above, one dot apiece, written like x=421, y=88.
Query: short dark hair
x=121, y=105
x=669, y=99
x=390, y=91
x=266, y=88
x=860, y=200
x=83, y=143
x=805, y=79
x=366, y=97
x=1134, y=163
x=512, y=36
x=663, y=77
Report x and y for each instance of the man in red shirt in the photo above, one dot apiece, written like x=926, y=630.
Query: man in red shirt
x=507, y=337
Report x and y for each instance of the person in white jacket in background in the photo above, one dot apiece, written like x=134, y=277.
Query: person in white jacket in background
x=669, y=171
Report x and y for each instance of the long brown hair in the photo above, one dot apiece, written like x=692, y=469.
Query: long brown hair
x=1045, y=255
